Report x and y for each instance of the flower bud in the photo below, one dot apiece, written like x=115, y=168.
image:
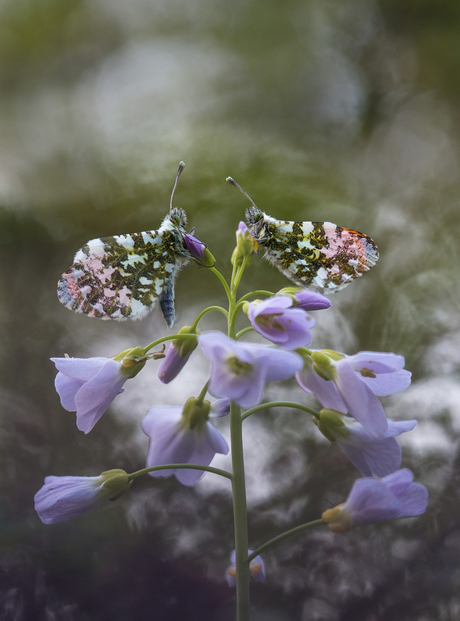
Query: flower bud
x=177, y=355
x=245, y=244
x=129, y=358
x=322, y=365
x=195, y=413
x=338, y=520
x=198, y=250
x=306, y=299
x=116, y=482
x=329, y=423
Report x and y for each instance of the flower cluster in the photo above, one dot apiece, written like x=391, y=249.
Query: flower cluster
x=182, y=441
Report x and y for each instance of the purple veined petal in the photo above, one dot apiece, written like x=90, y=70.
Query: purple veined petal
x=276, y=320
x=371, y=501
x=378, y=458
x=282, y=364
x=394, y=496
x=382, y=362
x=62, y=498
x=162, y=426
x=219, y=408
x=80, y=368
x=67, y=388
x=95, y=396
x=272, y=305
x=373, y=456
x=207, y=441
x=324, y=390
x=361, y=402
x=388, y=383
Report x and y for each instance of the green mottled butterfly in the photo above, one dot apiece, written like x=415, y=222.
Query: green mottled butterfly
x=321, y=255
x=121, y=277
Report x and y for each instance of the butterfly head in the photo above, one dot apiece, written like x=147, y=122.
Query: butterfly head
x=257, y=223
x=178, y=217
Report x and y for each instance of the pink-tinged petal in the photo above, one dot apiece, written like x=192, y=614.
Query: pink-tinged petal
x=361, y=402
x=82, y=369
x=67, y=388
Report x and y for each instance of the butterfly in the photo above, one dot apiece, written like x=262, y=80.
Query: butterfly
x=321, y=255
x=122, y=277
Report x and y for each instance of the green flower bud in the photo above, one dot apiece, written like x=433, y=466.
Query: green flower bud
x=116, y=482
x=322, y=365
x=186, y=346
x=195, y=413
x=130, y=360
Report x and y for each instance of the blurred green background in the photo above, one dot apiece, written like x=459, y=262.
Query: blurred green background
x=322, y=110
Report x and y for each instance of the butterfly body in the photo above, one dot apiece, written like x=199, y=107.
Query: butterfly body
x=321, y=255
x=122, y=277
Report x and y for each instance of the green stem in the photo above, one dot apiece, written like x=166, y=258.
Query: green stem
x=239, y=274
x=239, y=514
x=203, y=392
x=222, y=280
x=285, y=535
x=252, y=293
x=222, y=473
x=207, y=310
x=280, y=404
x=243, y=331
x=170, y=337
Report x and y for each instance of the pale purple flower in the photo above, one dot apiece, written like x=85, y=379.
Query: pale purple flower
x=88, y=386
x=240, y=370
x=280, y=322
x=354, y=383
x=219, y=408
x=372, y=455
x=176, y=440
x=256, y=569
x=378, y=500
x=62, y=498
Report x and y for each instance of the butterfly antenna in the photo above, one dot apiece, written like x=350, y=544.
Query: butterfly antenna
x=238, y=187
x=179, y=170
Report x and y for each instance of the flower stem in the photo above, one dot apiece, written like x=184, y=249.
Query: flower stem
x=285, y=535
x=252, y=293
x=239, y=514
x=169, y=337
x=222, y=280
x=207, y=310
x=222, y=473
x=244, y=331
x=280, y=404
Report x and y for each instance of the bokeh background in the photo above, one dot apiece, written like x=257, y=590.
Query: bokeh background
x=322, y=110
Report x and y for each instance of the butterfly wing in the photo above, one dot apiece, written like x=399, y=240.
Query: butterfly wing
x=121, y=277
x=321, y=255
